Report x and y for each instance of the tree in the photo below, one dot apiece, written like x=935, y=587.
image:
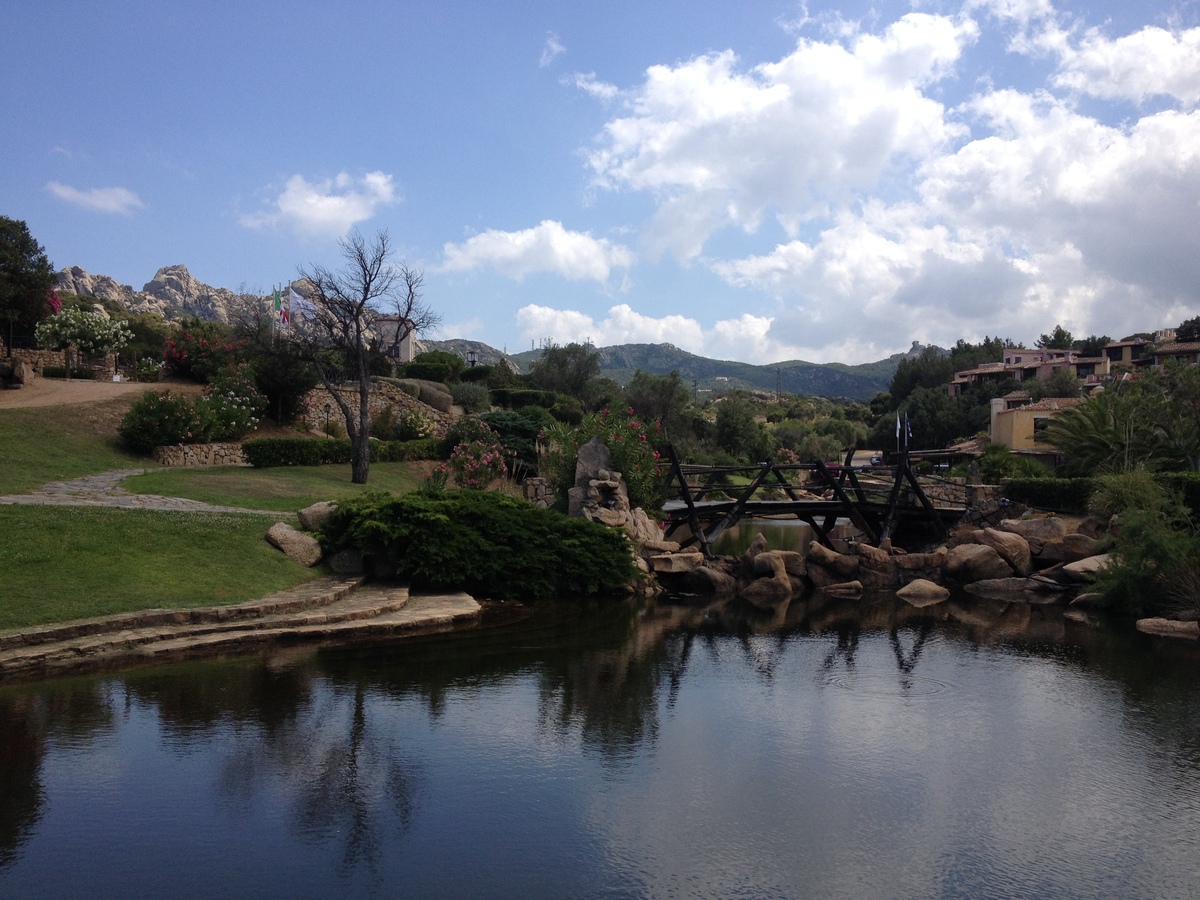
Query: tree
x=1059, y=339
x=339, y=322
x=1092, y=346
x=26, y=277
x=566, y=370
x=1188, y=330
x=89, y=331
x=659, y=398
x=1061, y=383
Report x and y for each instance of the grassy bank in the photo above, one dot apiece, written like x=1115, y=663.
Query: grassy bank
x=62, y=563
x=56, y=442
x=288, y=488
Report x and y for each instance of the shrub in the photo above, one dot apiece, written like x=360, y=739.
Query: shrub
x=436, y=395
x=233, y=404
x=200, y=350
x=435, y=365
x=471, y=397
x=511, y=398
x=157, y=419
x=518, y=435
x=567, y=409
x=269, y=453
x=477, y=464
x=61, y=372
x=1068, y=495
x=465, y=430
x=489, y=544
x=408, y=385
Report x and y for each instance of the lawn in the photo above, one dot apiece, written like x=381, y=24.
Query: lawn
x=287, y=488
x=55, y=442
x=63, y=563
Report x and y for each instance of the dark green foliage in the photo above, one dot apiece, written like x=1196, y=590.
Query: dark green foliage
x=565, y=370
x=471, y=397
x=26, y=277
x=61, y=372
x=1093, y=345
x=568, y=410
x=436, y=365
x=490, y=545
x=269, y=453
x=517, y=434
x=1059, y=339
x=200, y=349
x=660, y=398
x=511, y=398
x=475, y=375
x=1186, y=485
x=159, y=419
x=1065, y=495
x=464, y=431
x=1188, y=330
x=999, y=463
x=1061, y=383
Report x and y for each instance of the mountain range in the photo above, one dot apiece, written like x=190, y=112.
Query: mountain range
x=174, y=292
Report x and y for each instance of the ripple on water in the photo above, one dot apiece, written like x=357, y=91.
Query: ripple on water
x=885, y=684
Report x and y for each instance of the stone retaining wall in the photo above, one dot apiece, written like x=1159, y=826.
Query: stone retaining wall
x=37, y=360
x=383, y=396
x=200, y=455
x=957, y=492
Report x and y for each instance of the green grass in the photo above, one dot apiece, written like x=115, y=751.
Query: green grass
x=290, y=488
x=63, y=563
x=50, y=444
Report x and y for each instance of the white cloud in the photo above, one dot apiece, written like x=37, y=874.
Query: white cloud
x=108, y=200
x=724, y=147
x=590, y=85
x=1149, y=62
x=746, y=337
x=551, y=49
x=330, y=207
x=547, y=247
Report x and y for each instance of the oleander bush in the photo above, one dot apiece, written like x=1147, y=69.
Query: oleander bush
x=488, y=544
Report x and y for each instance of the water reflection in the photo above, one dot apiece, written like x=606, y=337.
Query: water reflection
x=610, y=748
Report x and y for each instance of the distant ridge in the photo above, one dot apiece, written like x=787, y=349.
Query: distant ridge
x=174, y=292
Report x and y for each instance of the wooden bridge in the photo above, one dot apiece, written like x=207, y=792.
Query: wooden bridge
x=878, y=500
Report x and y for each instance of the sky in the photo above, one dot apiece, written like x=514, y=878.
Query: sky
x=753, y=180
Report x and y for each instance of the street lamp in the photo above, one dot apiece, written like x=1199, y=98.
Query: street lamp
x=472, y=358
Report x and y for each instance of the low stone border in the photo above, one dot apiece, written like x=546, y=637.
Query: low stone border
x=200, y=455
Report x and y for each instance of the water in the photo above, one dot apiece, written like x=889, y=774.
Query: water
x=834, y=750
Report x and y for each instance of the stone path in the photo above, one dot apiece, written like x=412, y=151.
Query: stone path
x=105, y=490
x=323, y=611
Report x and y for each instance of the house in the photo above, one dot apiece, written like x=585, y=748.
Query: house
x=1022, y=364
x=1187, y=351
x=387, y=327
x=1020, y=427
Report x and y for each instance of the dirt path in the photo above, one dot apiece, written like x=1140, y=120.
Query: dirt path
x=57, y=392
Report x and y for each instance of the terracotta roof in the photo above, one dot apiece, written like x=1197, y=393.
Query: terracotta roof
x=1180, y=347
x=1051, y=404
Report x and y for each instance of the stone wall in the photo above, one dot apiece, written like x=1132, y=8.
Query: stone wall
x=957, y=492
x=200, y=455
x=383, y=396
x=37, y=360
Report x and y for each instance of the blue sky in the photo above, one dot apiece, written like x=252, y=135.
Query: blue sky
x=748, y=180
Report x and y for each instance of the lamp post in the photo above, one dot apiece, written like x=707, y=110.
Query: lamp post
x=328, y=410
x=472, y=358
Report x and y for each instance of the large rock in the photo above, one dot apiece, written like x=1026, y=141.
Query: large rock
x=1049, y=528
x=1013, y=548
x=975, y=562
x=675, y=563
x=301, y=547
x=1085, y=569
x=792, y=562
x=910, y=566
x=642, y=529
x=709, y=582
x=920, y=592
x=1079, y=546
x=768, y=593
x=826, y=567
x=313, y=518
x=1169, y=628
x=876, y=568
x=845, y=590
x=1024, y=590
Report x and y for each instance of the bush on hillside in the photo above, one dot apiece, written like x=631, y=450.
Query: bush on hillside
x=490, y=545
x=157, y=419
x=472, y=398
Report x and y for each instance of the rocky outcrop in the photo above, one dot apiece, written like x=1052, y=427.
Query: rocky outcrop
x=171, y=293
x=975, y=562
x=313, y=518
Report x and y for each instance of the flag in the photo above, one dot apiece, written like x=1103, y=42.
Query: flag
x=285, y=318
x=278, y=305
x=897, y=424
x=907, y=429
x=293, y=297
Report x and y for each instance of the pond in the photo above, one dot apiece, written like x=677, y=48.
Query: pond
x=835, y=749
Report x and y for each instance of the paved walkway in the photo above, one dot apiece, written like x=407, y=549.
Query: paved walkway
x=105, y=490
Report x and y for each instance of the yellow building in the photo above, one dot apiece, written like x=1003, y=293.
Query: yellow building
x=1020, y=427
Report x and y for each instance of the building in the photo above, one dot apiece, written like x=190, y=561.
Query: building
x=1019, y=427
x=387, y=326
x=1021, y=364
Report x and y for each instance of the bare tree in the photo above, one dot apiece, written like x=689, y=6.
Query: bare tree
x=343, y=322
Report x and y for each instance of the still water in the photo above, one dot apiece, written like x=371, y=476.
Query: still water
x=833, y=750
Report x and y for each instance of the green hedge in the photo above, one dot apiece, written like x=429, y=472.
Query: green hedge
x=1067, y=495
x=61, y=372
x=269, y=453
x=513, y=398
x=490, y=545
x=1070, y=495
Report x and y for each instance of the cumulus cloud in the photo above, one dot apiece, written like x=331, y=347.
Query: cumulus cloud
x=725, y=146
x=107, y=200
x=329, y=207
x=552, y=49
x=906, y=215
x=589, y=84
x=547, y=247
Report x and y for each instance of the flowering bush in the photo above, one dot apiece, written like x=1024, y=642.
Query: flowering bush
x=87, y=330
x=157, y=419
x=413, y=424
x=477, y=464
x=631, y=445
x=233, y=403
x=199, y=351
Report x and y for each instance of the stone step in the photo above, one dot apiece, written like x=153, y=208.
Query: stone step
x=313, y=594
x=371, y=611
